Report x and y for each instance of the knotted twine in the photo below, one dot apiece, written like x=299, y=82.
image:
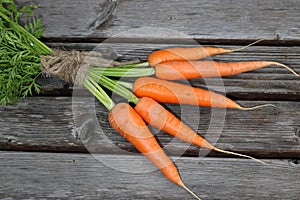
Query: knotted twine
x=73, y=66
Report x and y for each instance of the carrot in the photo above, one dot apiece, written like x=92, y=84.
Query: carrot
x=156, y=115
x=124, y=119
x=175, y=70
x=193, y=53
x=170, y=92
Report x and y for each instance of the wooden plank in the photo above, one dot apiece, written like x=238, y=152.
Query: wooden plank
x=215, y=20
x=270, y=83
x=47, y=124
x=83, y=176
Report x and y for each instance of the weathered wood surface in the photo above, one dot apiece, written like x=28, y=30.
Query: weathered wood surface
x=47, y=124
x=52, y=122
x=216, y=20
x=82, y=176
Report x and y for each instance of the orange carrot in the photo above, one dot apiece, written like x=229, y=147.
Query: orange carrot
x=156, y=115
x=170, y=92
x=124, y=119
x=175, y=70
x=193, y=53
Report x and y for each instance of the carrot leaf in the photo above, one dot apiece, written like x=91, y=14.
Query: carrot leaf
x=20, y=51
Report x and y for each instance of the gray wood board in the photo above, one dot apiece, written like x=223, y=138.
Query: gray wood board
x=215, y=20
x=269, y=83
x=79, y=124
x=83, y=176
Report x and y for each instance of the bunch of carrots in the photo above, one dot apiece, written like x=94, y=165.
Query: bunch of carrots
x=152, y=86
x=146, y=93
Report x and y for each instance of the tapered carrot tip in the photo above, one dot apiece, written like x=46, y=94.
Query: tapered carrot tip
x=238, y=154
x=255, y=107
x=284, y=66
x=190, y=191
x=267, y=62
x=244, y=47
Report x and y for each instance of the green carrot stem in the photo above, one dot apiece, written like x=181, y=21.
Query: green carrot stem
x=124, y=72
x=143, y=64
x=115, y=87
x=99, y=93
x=127, y=85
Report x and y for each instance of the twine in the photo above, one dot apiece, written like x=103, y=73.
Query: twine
x=73, y=66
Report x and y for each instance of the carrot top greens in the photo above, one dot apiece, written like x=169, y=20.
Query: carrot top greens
x=20, y=52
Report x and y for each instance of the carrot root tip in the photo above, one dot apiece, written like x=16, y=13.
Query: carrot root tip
x=191, y=192
x=244, y=47
x=287, y=67
x=240, y=155
x=256, y=107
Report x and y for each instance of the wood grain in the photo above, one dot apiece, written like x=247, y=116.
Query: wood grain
x=216, y=20
x=65, y=124
x=85, y=176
